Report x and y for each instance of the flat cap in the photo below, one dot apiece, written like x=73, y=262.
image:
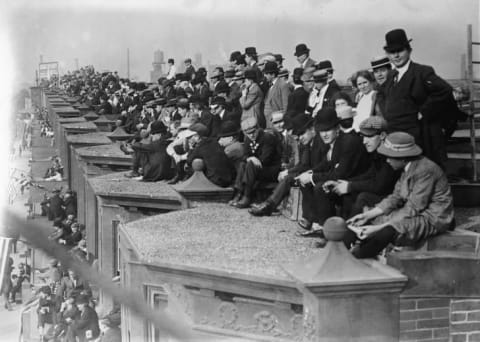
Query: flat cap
x=372, y=126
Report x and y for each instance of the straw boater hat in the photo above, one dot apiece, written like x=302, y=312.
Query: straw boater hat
x=380, y=62
x=399, y=145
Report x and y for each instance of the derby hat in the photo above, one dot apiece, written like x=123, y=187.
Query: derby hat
x=399, y=145
x=325, y=65
x=218, y=101
x=301, y=49
x=373, y=125
x=222, y=87
x=239, y=75
x=279, y=57
x=320, y=76
x=228, y=129
x=158, y=127
x=235, y=55
x=380, y=62
x=271, y=68
x=300, y=123
x=326, y=119
x=250, y=74
x=251, y=51
x=216, y=74
x=396, y=40
x=199, y=128
x=229, y=73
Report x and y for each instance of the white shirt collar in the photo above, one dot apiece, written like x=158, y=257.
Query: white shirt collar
x=222, y=113
x=346, y=130
x=402, y=70
x=408, y=166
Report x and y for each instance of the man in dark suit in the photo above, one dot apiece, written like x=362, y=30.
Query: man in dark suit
x=343, y=156
x=277, y=95
x=302, y=52
x=220, y=115
x=417, y=100
x=251, y=58
x=235, y=93
x=217, y=166
x=262, y=163
x=86, y=327
x=323, y=92
x=55, y=209
x=189, y=69
x=298, y=98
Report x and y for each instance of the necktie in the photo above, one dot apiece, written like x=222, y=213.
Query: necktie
x=395, y=76
x=329, y=153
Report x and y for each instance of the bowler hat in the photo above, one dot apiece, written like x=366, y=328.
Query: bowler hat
x=326, y=119
x=251, y=51
x=249, y=124
x=301, y=49
x=82, y=299
x=320, y=76
x=278, y=57
x=234, y=55
x=300, y=123
x=229, y=73
x=250, y=74
x=158, y=127
x=373, y=125
x=396, y=40
x=271, y=68
x=239, y=75
x=199, y=128
x=228, y=129
x=222, y=87
x=218, y=101
x=283, y=73
x=380, y=62
x=325, y=65
x=216, y=74
x=399, y=145
x=188, y=60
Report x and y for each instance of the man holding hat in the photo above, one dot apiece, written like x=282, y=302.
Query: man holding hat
x=217, y=167
x=262, y=163
x=311, y=149
x=420, y=206
x=302, y=52
x=417, y=100
x=343, y=157
x=298, y=98
x=277, y=95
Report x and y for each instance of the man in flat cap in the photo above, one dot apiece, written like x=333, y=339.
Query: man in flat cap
x=417, y=100
x=277, y=94
x=302, y=52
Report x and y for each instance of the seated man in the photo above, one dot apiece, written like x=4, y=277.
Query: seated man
x=262, y=162
x=217, y=167
x=311, y=148
x=228, y=138
x=344, y=157
x=288, y=147
x=420, y=206
x=73, y=238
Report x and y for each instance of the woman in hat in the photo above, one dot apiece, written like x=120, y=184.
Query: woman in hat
x=367, y=106
x=420, y=206
x=252, y=98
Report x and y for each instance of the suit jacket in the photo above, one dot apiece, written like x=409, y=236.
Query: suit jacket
x=218, y=168
x=55, y=207
x=349, y=158
x=421, y=204
x=332, y=89
x=158, y=165
x=276, y=99
x=88, y=320
x=310, y=155
x=251, y=104
x=206, y=118
x=297, y=102
x=264, y=148
x=308, y=63
x=189, y=71
x=227, y=116
x=66, y=287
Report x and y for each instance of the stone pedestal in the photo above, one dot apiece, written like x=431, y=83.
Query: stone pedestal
x=104, y=124
x=346, y=299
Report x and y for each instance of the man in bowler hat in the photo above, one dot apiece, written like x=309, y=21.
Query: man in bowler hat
x=302, y=52
x=277, y=95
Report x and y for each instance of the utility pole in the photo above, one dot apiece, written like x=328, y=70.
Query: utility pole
x=128, y=63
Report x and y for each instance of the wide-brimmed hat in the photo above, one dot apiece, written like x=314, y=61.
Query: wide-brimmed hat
x=396, y=40
x=229, y=73
x=326, y=119
x=300, y=123
x=301, y=49
x=228, y=129
x=250, y=74
x=380, y=62
x=216, y=74
x=399, y=145
x=373, y=125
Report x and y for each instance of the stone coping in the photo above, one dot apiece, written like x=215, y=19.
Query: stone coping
x=110, y=150
x=80, y=125
x=220, y=238
x=66, y=109
x=117, y=185
x=99, y=138
x=71, y=120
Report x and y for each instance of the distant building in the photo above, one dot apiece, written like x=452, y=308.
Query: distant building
x=157, y=64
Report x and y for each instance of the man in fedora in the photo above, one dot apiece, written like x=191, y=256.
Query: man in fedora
x=277, y=94
x=311, y=150
x=343, y=156
x=302, y=52
x=417, y=100
x=420, y=206
x=322, y=93
x=297, y=100
x=262, y=162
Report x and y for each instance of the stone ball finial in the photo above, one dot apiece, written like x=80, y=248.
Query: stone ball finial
x=335, y=228
x=198, y=165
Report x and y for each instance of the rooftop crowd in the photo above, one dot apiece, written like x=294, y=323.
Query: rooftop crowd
x=373, y=153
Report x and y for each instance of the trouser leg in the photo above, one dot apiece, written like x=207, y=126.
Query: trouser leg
x=372, y=246
x=281, y=190
x=365, y=200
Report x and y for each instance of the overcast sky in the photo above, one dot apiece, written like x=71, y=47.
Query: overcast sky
x=348, y=32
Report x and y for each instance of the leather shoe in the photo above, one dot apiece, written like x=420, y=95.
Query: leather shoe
x=263, y=209
x=320, y=243
x=305, y=224
x=317, y=233
x=174, y=180
x=132, y=174
x=243, y=203
x=235, y=199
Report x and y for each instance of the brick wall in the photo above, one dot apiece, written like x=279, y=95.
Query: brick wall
x=424, y=319
x=465, y=320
